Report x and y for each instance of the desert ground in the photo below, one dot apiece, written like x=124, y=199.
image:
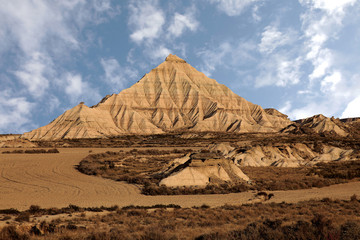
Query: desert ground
x=51, y=180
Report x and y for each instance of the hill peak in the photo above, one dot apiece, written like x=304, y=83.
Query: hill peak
x=174, y=58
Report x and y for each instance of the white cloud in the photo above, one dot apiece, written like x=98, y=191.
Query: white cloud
x=115, y=75
x=319, y=27
x=285, y=108
x=39, y=36
x=30, y=23
x=331, y=6
x=34, y=74
x=226, y=54
x=330, y=82
x=309, y=110
x=322, y=64
x=75, y=86
x=352, y=109
x=182, y=22
x=255, y=14
x=157, y=53
x=279, y=70
x=146, y=20
x=77, y=89
x=41, y=31
x=233, y=7
x=15, y=113
x=272, y=38
x=54, y=103
x=330, y=86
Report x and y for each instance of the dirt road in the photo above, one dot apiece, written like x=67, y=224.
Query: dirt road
x=51, y=180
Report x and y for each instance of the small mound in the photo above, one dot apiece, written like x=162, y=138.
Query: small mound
x=200, y=170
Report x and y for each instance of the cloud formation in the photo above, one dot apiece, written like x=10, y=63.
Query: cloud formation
x=39, y=37
x=272, y=38
x=146, y=20
x=15, y=112
x=117, y=76
x=352, y=109
x=77, y=89
x=322, y=22
x=233, y=7
x=181, y=22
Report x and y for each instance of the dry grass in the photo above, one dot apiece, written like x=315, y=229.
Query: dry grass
x=325, y=219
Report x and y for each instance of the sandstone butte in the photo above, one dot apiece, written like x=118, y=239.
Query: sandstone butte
x=172, y=97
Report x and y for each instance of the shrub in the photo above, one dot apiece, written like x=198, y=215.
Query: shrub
x=350, y=230
x=34, y=209
x=54, y=150
x=23, y=217
x=9, y=211
x=10, y=232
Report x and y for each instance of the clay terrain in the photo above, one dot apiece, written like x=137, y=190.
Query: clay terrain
x=180, y=156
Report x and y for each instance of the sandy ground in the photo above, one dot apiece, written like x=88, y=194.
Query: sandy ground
x=51, y=180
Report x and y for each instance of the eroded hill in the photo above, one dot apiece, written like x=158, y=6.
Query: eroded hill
x=172, y=97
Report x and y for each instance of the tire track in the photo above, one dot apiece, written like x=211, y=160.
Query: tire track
x=23, y=183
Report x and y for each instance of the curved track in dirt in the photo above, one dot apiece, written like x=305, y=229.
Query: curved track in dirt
x=51, y=180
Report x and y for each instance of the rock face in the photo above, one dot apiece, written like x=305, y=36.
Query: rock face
x=172, y=97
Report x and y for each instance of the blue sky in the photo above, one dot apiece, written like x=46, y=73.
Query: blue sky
x=299, y=56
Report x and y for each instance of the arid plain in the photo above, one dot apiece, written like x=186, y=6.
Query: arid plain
x=53, y=181
x=180, y=156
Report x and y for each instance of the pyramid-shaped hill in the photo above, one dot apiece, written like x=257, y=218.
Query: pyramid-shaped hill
x=172, y=97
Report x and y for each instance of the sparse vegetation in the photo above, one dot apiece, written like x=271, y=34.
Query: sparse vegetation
x=338, y=170
x=314, y=219
x=32, y=151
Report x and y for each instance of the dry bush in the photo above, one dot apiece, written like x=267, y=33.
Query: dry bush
x=11, y=233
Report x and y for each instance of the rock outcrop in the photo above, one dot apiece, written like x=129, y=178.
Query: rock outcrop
x=200, y=170
x=172, y=97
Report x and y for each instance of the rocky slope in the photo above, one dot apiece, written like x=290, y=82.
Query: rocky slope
x=172, y=97
x=322, y=125
x=285, y=154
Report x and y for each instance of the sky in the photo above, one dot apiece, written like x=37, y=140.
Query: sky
x=298, y=56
